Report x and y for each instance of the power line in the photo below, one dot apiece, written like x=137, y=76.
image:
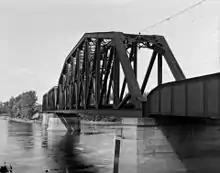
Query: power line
x=174, y=15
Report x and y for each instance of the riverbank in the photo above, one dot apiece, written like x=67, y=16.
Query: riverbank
x=25, y=120
x=20, y=120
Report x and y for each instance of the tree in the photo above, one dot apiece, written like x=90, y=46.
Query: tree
x=26, y=103
x=2, y=108
x=21, y=106
x=11, y=108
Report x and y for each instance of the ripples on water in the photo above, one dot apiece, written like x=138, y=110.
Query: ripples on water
x=30, y=148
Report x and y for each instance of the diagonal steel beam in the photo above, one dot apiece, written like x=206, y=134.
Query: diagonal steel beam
x=152, y=60
x=109, y=86
x=133, y=86
x=122, y=89
x=171, y=60
x=132, y=52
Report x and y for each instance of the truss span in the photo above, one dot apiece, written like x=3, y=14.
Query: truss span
x=90, y=78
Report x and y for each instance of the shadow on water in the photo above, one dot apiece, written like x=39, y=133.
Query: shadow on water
x=181, y=145
x=62, y=147
x=32, y=148
x=72, y=156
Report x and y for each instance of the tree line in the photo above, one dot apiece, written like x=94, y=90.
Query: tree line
x=23, y=106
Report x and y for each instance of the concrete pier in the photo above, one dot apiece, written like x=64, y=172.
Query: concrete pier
x=56, y=124
x=46, y=117
x=168, y=148
x=60, y=122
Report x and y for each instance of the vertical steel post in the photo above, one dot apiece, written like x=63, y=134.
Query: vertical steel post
x=134, y=46
x=91, y=80
x=90, y=89
x=78, y=78
x=65, y=97
x=59, y=97
x=72, y=82
x=116, y=79
x=103, y=71
x=76, y=94
x=70, y=95
x=86, y=80
x=97, y=72
x=160, y=69
x=80, y=94
x=109, y=62
x=55, y=98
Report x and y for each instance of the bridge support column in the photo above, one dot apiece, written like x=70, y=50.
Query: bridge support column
x=55, y=124
x=70, y=123
x=46, y=117
x=128, y=149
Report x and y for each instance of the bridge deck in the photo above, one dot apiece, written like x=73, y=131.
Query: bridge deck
x=102, y=112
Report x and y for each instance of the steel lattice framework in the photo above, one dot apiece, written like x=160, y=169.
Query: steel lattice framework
x=90, y=78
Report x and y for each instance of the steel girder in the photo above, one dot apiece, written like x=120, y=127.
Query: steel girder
x=90, y=77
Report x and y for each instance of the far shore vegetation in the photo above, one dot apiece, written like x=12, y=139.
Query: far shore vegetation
x=23, y=106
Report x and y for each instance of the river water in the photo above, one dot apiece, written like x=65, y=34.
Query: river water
x=31, y=148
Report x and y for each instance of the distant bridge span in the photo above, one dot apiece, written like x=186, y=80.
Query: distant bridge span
x=90, y=81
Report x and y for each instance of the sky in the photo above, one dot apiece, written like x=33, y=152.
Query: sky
x=36, y=36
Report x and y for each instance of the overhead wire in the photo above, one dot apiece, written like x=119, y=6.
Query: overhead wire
x=173, y=16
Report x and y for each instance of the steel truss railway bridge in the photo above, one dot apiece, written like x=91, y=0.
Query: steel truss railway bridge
x=90, y=81
x=99, y=76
